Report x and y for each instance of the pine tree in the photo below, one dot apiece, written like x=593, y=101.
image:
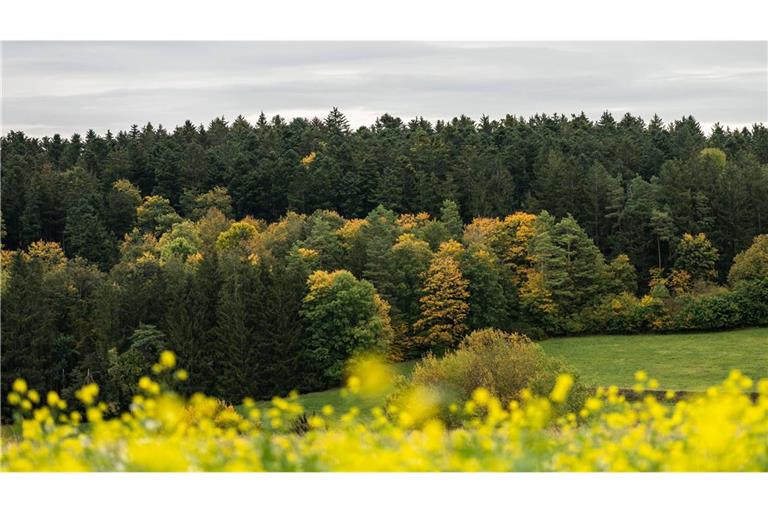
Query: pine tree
x=555, y=185
x=451, y=219
x=85, y=235
x=378, y=233
x=29, y=328
x=232, y=334
x=122, y=200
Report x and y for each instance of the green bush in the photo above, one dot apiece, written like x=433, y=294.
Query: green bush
x=625, y=313
x=502, y=363
x=752, y=300
x=746, y=304
x=709, y=312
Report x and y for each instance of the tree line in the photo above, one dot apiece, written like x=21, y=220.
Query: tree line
x=635, y=187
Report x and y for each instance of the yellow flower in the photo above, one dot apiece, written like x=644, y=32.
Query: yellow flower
x=641, y=376
x=181, y=375
x=20, y=386
x=168, y=359
x=593, y=404
x=316, y=422
x=353, y=384
x=562, y=388
x=87, y=393
x=53, y=398
x=93, y=414
x=145, y=383
x=481, y=396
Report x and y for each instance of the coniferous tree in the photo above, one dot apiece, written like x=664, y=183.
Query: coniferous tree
x=85, y=235
x=451, y=219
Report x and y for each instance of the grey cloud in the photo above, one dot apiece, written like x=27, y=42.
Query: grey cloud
x=69, y=87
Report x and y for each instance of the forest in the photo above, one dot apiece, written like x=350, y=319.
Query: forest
x=266, y=255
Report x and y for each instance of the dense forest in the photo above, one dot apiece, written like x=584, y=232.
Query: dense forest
x=266, y=255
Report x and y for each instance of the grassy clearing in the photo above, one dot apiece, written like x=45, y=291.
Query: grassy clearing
x=313, y=402
x=687, y=361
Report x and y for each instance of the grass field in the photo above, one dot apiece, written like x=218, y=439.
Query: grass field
x=688, y=361
x=313, y=402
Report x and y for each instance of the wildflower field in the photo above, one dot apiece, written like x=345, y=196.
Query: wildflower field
x=724, y=428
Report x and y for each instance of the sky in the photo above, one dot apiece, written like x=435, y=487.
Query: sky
x=68, y=87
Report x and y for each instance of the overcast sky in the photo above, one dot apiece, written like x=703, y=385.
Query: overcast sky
x=66, y=87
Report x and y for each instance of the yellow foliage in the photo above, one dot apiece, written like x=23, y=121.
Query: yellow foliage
x=521, y=226
x=409, y=221
x=444, y=305
x=481, y=230
x=49, y=253
x=450, y=248
x=309, y=159
x=534, y=293
x=351, y=228
x=307, y=253
x=320, y=280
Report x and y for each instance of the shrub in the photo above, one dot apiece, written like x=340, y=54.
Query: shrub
x=752, y=299
x=502, y=363
x=709, y=312
x=752, y=264
x=625, y=313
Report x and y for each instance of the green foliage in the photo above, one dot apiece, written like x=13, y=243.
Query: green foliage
x=122, y=201
x=451, y=219
x=697, y=256
x=145, y=345
x=409, y=261
x=487, y=297
x=714, y=156
x=181, y=241
x=236, y=236
x=156, y=215
x=344, y=316
x=570, y=265
x=217, y=197
x=625, y=313
x=86, y=235
x=622, y=275
x=566, y=165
